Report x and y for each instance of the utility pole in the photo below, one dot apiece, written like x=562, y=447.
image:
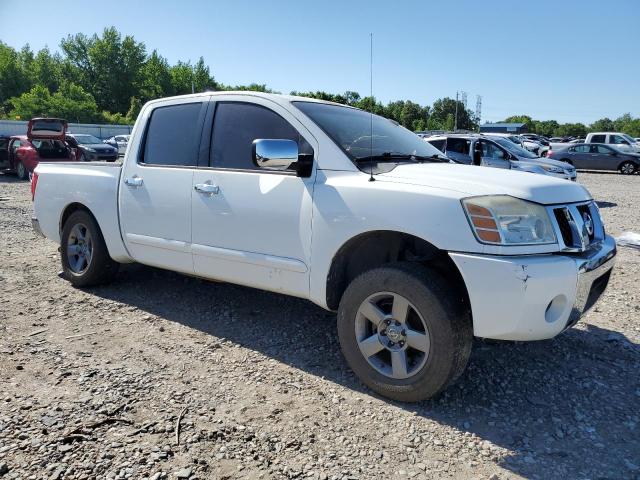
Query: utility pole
x=455, y=124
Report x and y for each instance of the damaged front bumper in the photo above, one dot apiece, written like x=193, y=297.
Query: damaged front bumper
x=534, y=297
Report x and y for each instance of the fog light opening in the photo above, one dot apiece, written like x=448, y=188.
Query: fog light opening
x=555, y=308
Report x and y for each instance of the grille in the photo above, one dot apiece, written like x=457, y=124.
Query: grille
x=563, y=218
x=578, y=225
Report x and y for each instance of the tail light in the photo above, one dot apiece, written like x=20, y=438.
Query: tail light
x=34, y=184
x=549, y=153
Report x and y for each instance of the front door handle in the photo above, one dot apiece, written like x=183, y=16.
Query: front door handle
x=134, y=181
x=207, y=188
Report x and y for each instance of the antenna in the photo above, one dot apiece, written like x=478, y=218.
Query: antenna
x=371, y=179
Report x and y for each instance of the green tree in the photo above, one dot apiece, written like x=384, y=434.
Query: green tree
x=70, y=102
x=155, y=78
x=34, y=103
x=13, y=79
x=46, y=69
x=571, y=130
x=109, y=66
x=444, y=109
x=602, y=125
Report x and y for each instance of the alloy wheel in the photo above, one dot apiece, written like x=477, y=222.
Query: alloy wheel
x=79, y=248
x=392, y=335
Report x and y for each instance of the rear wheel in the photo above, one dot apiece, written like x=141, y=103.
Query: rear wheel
x=403, y=332
x=83, y=252
x=628, y=168
x=22, y=171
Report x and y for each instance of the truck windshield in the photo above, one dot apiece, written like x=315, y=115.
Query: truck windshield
x=513, y=148
x=350, y=128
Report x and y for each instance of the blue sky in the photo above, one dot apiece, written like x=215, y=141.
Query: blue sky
x=564, y=60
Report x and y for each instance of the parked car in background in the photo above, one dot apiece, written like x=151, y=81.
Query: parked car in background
x=621, y=141
x=44, y=141
x=533, y=146
x=118, y=141
x=598, y=156
x=238, y=186
x=90, y=148
x=491, y=150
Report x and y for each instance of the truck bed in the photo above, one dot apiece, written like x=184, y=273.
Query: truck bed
x=93, y=184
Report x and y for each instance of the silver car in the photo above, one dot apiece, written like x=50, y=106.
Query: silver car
x=597, y=156
x=498, y=152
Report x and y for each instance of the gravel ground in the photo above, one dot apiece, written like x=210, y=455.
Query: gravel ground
x=97, y=383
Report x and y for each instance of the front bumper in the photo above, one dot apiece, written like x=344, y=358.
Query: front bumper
x=534, y=297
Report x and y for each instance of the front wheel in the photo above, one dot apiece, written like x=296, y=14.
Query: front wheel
x=628, y=168
x=83, y=252
x=403, y=332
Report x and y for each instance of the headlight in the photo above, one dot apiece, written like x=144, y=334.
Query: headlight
x=551, y=169
x=505, y=220
x=89, y=149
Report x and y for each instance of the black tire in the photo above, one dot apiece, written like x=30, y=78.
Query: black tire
x=101, y=268
x=627, y=168
x=448, y=323
x=21, y=171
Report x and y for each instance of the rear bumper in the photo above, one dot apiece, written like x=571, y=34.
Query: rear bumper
x=36, y=226
x=534, y=297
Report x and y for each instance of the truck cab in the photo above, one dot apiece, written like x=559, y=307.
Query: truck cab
x=619, y=140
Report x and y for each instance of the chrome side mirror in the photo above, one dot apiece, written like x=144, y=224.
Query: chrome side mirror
x=274, y=154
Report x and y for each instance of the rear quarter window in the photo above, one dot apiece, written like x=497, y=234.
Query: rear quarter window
x=173, y=135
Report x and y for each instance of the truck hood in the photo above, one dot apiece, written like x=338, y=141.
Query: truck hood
x=470, y=180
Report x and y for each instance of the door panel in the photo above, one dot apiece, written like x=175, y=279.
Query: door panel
x=255, y=231
x=156, y=216
x=155, y=189
x=251, y=226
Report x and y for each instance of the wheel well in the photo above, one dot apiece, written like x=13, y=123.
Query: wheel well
x=373, y=249
x=69, y=209
x=635, y=164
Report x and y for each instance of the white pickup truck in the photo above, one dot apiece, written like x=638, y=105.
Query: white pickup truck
x=349, y=210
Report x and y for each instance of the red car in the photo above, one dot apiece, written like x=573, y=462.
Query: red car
x=44, y=142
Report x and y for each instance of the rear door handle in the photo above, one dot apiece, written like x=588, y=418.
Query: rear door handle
x=134, y=181
x=207, y=188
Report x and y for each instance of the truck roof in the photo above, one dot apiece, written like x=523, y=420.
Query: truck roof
x=276, y=97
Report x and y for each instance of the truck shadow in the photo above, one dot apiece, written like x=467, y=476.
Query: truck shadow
x=566, y=407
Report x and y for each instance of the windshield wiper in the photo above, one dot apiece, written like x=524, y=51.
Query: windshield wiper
x=392, y=156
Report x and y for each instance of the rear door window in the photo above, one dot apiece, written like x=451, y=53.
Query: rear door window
x=598, y=138
x=581, y=149
x=173, y=135
x=601, y=149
